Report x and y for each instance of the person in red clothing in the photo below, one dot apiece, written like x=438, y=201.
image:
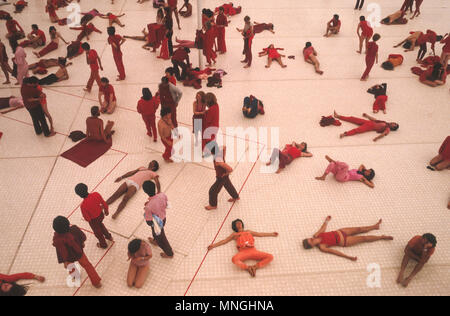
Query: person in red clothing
x=246, y=245
x=35, y=39
x=170, y=75
x=208, y=45
x=371, y=124
x=50, y=8
x=172, y=4
x=419, y=249
x=248, y=34
x=445, y=56
x=19, y=6
x=333, y=26
x=221, y=24
x=170, y=96
x=371, y=56
x=108, y=105
x=429, y=37
x=442, y=160
x=211, y=122
x=364, y=32
x=11, y=27
x=113, y=18
x=223, y=171
x=180, y=59
x=345, y=237
x=94, y=62
x=165, y=127
x=116, y=42
x=310, y=56
x=54, y=36
x=94, y=209
x=9, y=287
x=435, y=75
x=288, y=154
x=69, y=243
x=272, y=54
x=147, y=107
x=86, y=30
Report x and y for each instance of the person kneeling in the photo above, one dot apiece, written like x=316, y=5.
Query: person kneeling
x=94, y=127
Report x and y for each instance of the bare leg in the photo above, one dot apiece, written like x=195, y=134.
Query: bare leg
x=120, y=191
x=269, y=62
x=361, y=41
x=403, y=268
x=131, y=278
x=360, y=230
x=141, y=276
x=136, y=38
x=352, y=240
x=281, y=63
x=130, y=192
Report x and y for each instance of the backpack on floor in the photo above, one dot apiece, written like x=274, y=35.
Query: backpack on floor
x=329, y=120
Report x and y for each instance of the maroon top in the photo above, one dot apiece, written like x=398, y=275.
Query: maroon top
x=165, y=96
x=180, y=55
x=30, y=92
x=69, y=247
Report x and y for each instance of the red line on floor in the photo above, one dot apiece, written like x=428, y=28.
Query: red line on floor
x=223, y=223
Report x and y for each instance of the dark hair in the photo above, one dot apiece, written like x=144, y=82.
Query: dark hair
x=164, y=80
x=85, y=46
x=431, y=239
x=111, y=30
x=439, y=38
x=407, y=45
x=155, y=165
x=35, y=27
x=33, y=80
x=387, y=65
x=395, y=127
x=210, y=99
x=51, y=28
x=187, y=50
x=221, y=9
x=134, y=246
x=234, y=226
x=376, y=37
x=81, y=190
x=435, y=75
x=247, y=18
x=165, y=111
x=305, y=150
x=146, y=94
x=306, y=244
x=370, y=176
x=95, y=111
x=308, y=44
x=16, y=290
x=170, y=70
x=149, y=187
x=362, y=18
x=61, y=225
x=62, y=61
x=104, y=80
x=336, y=17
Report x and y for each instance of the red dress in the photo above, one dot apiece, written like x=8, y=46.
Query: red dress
x=208, y=45
x=221, y=21
x=367, y=31
x=273, y=53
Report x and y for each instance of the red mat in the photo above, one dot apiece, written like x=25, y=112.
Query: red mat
x=86, y=152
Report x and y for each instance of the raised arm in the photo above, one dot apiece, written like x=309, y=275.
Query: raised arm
x=323, y=228
x=221, y=243
x=367, y=182
x=369, y=117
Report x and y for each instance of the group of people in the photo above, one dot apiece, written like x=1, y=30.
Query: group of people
x=69, y=239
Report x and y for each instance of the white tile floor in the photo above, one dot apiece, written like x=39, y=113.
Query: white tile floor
x=37, y=184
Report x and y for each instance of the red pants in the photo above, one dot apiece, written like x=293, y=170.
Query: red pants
x=100, y=230
x=221, y=44
x=380, y=103
x=95, y=76
x=365, y=125
x=90, y=270
x=49, y=48
x=251, y=254
x=168, y=153
x=248, y=51
x=370, y=61
x=283, y=159
x=150, y=123
x=119, y=65
x=164, y=52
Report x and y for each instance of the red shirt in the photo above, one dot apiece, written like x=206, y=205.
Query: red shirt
x=335, y=23
x=108, y=90
x=116, y=40
x=11, y=26
x=222, y=20
x=41, y=34
x=292, y=151
x=29, y=92
x=149, y=107
x=180, y=55
x=372, y=50
x=91, y=208
x=173, y=80
x=92, y=58
x=212, y=116
x=367, y=31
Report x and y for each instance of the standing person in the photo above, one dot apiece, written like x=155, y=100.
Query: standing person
x=69, y=242
x=178, y=61
x=95, y=130
x=407, y=4
x=223, y=171
x=50, y=8
x=35, y=39
x=359, y=4
x=371, y=56
x=108, y=105
x=9, y=287
x=94, y=62
x=4, y=64
x=333, y=26
x=140, y=253
x=442, y=160
x=208, y=45
x=419, y=249
x=246, y=245
x=165, y=127
x=94, y=209
x=417, y=11
x=170, y=96
x=134, y=181
x=221, y=24
x=54, y=36
x=248, y=34
x=11, y=27
x=172, y=4
x=168, y=23
x=155, y=217
x=429, y=37
x=147, y=106
x=364, y=32
x=116, y=42
x=22, y=66
x=344, y=237
x=198, y=119
x=211, y=127
x=31, y=96
x=310, y=55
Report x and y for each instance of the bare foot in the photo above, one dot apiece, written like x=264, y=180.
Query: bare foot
x=98, y=286
x=269, y=163
x=405, y=282
x=283, y=66
x=377, y=225
x=266, y=66
x=279, y=170
x=115, y=215
x=163, y=255
x=387, y=237
x=210, y=208
x=234, y=200
x=320, y=72
x=246, y=66
x=7, y=82
x=358, y=51
x=342, y=135
x=320, y=178
x=87, y=90
x=99, y=246
x=152, y=241
x=168, y=160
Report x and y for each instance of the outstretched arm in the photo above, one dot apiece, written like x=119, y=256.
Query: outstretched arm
x=386, y=131
x=256, y=234
x=306, y=154
x=126, y=175
x=221, y=243
x=336, y=253
x=323, y=228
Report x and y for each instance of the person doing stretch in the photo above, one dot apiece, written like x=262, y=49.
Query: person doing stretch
x=369, y=125
x=246, y=245
x=310, y=55
x=345, y=237
x=288, y=154
x=343, y=174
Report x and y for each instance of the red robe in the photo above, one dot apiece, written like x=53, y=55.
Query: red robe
x=211, y=121
x=208, y=45
x=223, y=22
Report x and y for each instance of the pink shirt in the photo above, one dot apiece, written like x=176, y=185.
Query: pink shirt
x=143, y=175
x=156, y=205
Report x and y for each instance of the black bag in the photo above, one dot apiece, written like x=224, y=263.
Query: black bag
x=76, y=136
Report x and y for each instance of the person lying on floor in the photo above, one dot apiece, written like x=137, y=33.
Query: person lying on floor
x=10, y=104
x=60, y=75
x=288, y=154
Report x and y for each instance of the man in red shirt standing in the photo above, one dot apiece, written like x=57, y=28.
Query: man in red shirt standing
x=221, y=24
x=420, y=249
x=371, y=56
x=107, y=91
x=92, y=209
x=35, y=39
x=116, y=42
x=95, y=63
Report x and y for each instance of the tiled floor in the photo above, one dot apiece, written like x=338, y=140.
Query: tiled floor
x=37, y=184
